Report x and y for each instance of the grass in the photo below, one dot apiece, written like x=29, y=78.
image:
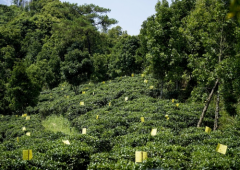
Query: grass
x=57, y=123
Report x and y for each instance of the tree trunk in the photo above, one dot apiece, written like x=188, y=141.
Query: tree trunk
x=216, y=112
x=207, y=104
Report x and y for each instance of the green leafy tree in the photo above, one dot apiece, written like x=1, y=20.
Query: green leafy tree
x=45, y=73
x=7, y=13
x=125, y=57
x=163, y=44
x=210, y=42
x=4, y=109
x=76, y=68
x=49, y=55
x=100, y=66
x=35, y=33
x=115, y=34
x=23, y=87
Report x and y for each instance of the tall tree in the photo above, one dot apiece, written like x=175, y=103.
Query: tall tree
x=100, y=67
x=125, y=58
x=23, y=88
x=162, y=42
x=76, y=68
x=210, y=40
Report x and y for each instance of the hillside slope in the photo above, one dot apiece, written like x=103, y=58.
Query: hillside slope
x=113, y=138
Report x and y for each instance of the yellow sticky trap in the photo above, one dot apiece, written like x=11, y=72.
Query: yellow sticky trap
x=28, y=118
x=151, y=87
x=132, y=75
x=138, y=156
x=28, y=134
x=17, y=139
x=221, y=148
x=166, y=116
x=154, y=132
x=24, y=115
x=66, y=142
x=144, y=156
x=103, y=82
x=84, y=131
x=126, y=98
x=208, y=129
x=27, y=154
x=177, y=104
x=81, y=103
x=23, y=128
x=142, y=75
x=142, y=119
x=83, y=92
x=145, y=81
x=172, y=100
x=97, y=117
x=30, y=155
x=109, y=104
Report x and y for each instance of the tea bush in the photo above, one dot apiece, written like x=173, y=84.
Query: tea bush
x=112, y=139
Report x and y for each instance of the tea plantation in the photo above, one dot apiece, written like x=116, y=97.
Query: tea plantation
x=114, y=131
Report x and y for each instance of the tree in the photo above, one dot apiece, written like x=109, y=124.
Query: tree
x=100, y=66
x=114, y=35
x=210, y=41
x=124, y=59
x=158, y=38
x=45, y=73
x=163, y=44
x=49, y=55
x=7, y=13
x=76, y=68
x=23, y=87
x=4, y=109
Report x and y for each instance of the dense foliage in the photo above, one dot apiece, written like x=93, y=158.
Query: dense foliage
x=54, y=55
x=186, y=45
